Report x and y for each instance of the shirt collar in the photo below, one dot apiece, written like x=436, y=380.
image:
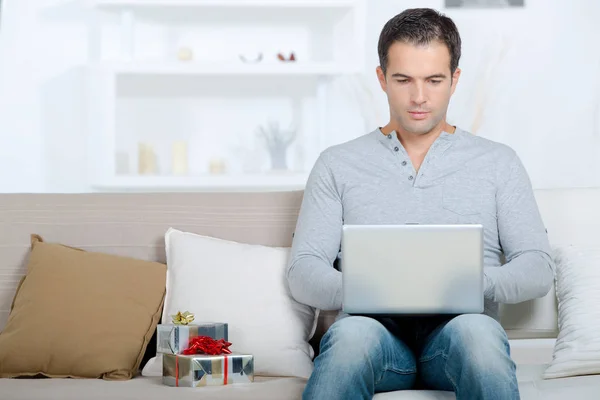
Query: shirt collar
x=441, y=144
x=393, y=136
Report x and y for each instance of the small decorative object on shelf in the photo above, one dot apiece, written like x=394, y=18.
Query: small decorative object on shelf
x=146, y=159
x=248, y=60
x=291, y=58
x=185, y=54
x=299, y=158
x=180, y=158
x=122, y=163
x=277, y=141
x=217, y=166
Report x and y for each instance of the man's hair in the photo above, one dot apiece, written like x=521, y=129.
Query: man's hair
x=420, y=26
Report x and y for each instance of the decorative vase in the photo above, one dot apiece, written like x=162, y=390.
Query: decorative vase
x=217, y=166
x=278, y=158
x=179, y=155
x=122, y=163
x=277, y=141
x=185, y=54
x=146, y=159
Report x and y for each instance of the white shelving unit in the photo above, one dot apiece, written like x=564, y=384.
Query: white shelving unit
x=329, y=35
x=215, y=69
x=275, y=181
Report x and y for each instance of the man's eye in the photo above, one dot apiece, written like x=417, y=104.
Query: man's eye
x=401, y=80
x=435, y=82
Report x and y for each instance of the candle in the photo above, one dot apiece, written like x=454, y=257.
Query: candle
x=146, y=159
x=217, y=166
x=180, y=158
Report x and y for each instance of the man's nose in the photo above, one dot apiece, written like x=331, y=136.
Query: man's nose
x=418, y=93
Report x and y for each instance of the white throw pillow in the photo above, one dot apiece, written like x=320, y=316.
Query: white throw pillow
x=245, y=286
x=577, y=349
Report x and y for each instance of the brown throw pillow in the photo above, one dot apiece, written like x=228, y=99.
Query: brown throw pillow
x=81, y=314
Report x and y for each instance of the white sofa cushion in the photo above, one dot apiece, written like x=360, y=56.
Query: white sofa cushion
x=532, y=351
x=148, y=388
x=531, y=387
x=577, y=349
x=243, y=285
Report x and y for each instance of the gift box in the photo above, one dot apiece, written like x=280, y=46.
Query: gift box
x=207, y=370
x=174, y=338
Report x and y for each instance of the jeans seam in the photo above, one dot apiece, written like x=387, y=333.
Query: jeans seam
x=401, y=371
x=447, y=374
x=445, y=357
x=439, y=352
x=396, y=371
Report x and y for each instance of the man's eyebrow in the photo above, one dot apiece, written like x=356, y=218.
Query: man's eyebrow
x=438, y=76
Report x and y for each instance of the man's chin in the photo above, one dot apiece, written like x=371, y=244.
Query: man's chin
x=418, y=130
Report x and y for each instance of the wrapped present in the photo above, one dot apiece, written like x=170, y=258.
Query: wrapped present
x=175, y=338
x=196, y=370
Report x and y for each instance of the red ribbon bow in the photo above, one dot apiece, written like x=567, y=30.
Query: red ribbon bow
x=207, y=345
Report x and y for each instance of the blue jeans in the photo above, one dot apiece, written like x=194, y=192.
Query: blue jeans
x=467, y=354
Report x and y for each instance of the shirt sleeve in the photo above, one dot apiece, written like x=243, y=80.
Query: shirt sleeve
x=529, y=269
x=311, y=277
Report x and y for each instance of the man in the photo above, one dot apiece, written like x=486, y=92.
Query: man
x=419, y=169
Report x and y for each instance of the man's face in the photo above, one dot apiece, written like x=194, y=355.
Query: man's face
x=418, y=85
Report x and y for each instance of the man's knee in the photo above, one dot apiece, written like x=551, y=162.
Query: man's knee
x=477, y=328
x=353, y=338
x=480, y=340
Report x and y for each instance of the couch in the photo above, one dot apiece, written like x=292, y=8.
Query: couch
x=134, y=224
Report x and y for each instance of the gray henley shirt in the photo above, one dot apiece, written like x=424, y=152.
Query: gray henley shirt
x=463, y=179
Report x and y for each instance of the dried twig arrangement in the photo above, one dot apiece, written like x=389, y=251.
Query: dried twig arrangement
x=277, y=141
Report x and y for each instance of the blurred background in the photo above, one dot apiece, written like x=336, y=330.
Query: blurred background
x=170, y=95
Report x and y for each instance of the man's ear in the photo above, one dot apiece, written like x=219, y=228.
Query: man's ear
x=381, y=78
x=455, y=77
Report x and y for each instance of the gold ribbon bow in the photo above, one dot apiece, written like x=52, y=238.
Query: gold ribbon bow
x=182, y=318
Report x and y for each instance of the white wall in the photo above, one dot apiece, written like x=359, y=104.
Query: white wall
x=531, y=79
x=542, y=95
x=37, y=46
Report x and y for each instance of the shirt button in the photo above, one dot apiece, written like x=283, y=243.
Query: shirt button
x=403, y=163
x=389, y=135
x=396, y=148
x=410, y=178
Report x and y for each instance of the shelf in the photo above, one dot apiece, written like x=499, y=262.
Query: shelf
x=259, y=182
x=240, y=11
x=121, y=4
x=225, y=68
x=133, y=65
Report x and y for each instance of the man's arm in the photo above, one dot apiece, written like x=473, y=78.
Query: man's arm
x=311, y=277
x=529, y=269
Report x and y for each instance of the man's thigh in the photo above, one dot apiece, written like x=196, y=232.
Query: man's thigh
x=399, y=363
x=419, y=332
x=466, y=342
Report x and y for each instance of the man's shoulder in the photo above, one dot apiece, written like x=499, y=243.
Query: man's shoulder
x=353, y=147
x=491, y=148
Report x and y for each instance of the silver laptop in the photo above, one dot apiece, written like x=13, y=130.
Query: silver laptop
x=412, y=269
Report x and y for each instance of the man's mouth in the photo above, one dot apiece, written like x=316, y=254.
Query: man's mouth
x=418, y=114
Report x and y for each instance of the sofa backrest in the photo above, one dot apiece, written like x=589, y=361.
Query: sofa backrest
x=134, y=225
x=571, y=217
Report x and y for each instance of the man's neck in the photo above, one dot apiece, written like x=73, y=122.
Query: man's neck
x=417, y=143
